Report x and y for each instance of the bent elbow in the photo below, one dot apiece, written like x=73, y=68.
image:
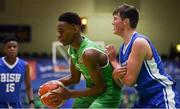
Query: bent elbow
x=130, y=83
x=76, y=81
x=101, y=89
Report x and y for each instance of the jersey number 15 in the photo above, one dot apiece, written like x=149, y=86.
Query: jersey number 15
x=10, y=87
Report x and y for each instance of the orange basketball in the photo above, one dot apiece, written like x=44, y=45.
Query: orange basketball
x=46, y=89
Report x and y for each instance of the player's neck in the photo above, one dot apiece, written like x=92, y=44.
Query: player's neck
x=10, y=60
x=127, y=36
x=77, y=42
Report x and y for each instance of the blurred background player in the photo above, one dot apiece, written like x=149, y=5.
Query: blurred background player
x=13, y=71
x=145, y=71
x=90, y=60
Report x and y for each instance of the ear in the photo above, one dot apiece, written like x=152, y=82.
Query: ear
x=18, y=48
x=126, y=21
x=77, y=28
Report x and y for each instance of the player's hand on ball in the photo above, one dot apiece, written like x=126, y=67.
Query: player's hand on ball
x=62, y=93
x=49, y=89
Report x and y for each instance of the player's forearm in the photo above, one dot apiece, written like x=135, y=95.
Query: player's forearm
x=115, y=64
x=30, y=95
x=132, y=74
x=68, y=80
x=129, y=80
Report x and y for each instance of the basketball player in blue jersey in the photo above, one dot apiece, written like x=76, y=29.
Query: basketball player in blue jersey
x=13, y=71
x=144, y=68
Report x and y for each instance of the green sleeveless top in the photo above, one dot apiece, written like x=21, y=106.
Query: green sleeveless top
x=78, y=62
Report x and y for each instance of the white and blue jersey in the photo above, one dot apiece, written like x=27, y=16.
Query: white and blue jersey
x=11, y=78
x=154, y=86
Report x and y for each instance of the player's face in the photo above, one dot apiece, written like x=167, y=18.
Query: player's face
x=11, y=49
x=117, y=25
x=66, y=33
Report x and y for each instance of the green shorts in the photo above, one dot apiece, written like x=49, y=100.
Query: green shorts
x=106, y=100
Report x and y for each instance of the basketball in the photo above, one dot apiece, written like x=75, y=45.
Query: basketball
x=46, y=89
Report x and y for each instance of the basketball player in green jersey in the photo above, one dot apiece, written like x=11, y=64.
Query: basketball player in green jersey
x=90, y=60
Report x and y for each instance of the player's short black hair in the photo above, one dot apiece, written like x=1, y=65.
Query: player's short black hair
x=71, y=18
x=9, y=38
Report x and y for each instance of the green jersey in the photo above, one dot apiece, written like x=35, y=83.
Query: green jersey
x=106, y=70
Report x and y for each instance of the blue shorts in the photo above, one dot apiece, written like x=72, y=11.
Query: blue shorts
x=10, y=105
x=160, y=99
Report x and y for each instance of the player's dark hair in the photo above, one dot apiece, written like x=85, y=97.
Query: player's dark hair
x=128, y=11
x=9, y=38
x=71, y=18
